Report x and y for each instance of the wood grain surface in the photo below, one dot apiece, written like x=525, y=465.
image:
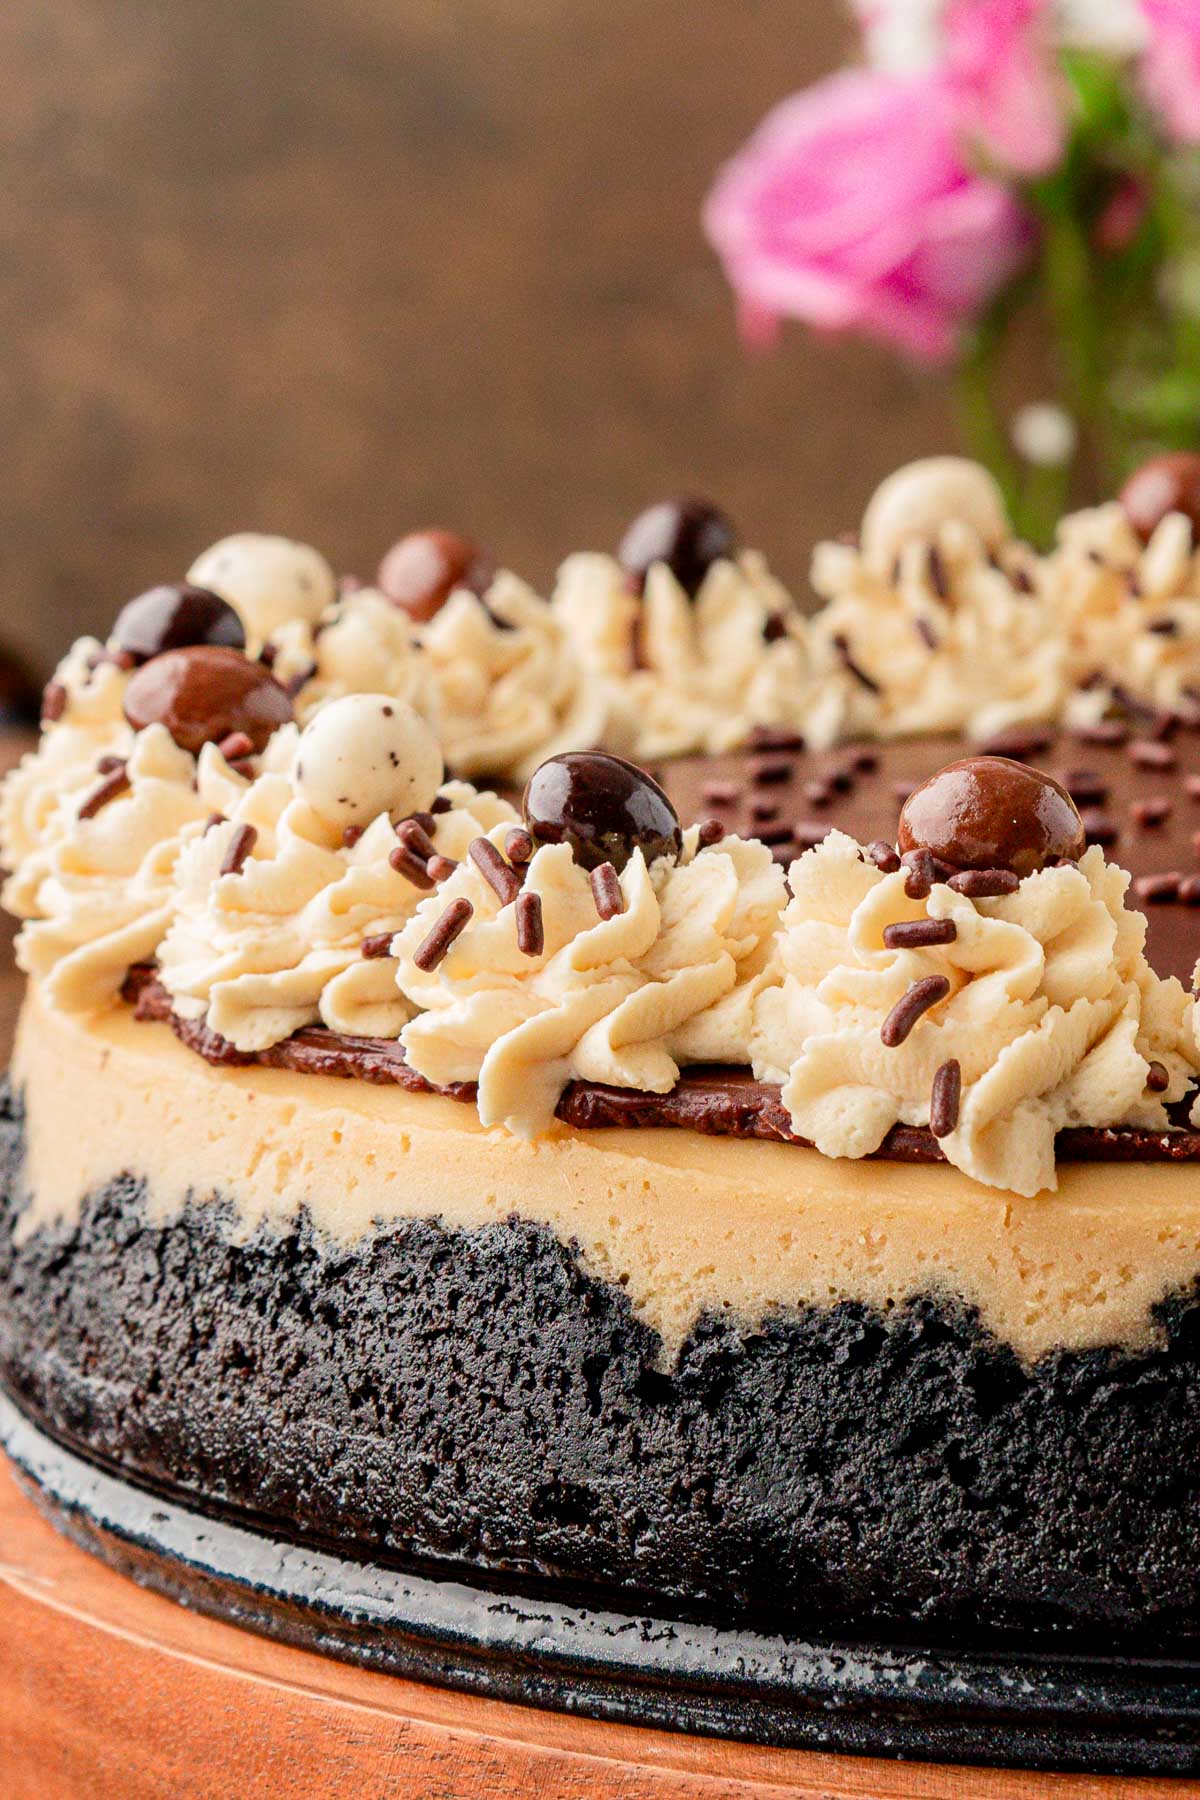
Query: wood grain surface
x=341, y=269
x=108, y=1691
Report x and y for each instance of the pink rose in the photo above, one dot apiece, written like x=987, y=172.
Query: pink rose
x=852, y=207
x=998, y=68
x=1171, y=65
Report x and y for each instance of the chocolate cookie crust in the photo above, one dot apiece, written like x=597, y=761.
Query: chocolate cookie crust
x=473, y=1398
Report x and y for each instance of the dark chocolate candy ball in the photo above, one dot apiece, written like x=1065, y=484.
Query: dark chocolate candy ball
x=421, y=571
x=1165, y=484
x=603, y=806
x=688, y=535
x=204, y=693
x=989, y=812
x=174, y=616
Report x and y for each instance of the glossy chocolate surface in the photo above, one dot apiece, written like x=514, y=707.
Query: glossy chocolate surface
x=602, y=806
x=992, y=812
x=204, y=694
x=716, y=1101
x=422, y=570
x=174, y=616
x=791, y=798
x=688, y=535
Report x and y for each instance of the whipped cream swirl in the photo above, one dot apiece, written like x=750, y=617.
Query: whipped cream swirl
x=261, y=949
x=670, y=979
x=1050, y=1010
x=695, y=674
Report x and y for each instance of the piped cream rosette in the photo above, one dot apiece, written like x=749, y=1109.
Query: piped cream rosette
x=697, y=674
x=39, y=799
x=1051, y=1011
x=931, y=623
x=99, y=892
x=264, y=944
x=626, y=1000
x=509, y=692
x=1128, y=613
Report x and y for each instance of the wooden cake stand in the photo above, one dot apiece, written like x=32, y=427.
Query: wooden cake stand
x=107, y=1689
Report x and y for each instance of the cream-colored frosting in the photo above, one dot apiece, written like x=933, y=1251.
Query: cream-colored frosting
x=98, y=893
x=509, y=691
x=1128, y=614
x=686, y=1225
x=698, y=674
x=1052, y=1013
x=278, y=944
x=937, y=607
x=40, y=797
x=362, y=644
x=625, y=1000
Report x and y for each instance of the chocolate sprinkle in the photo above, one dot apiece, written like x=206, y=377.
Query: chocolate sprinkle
x=919, y=881
x=441, y=867
x=519, y=845
x=451, y=925
x=378, y=944
x=407, y=863
x=236, y=745
x=351, y=835
x=1150, y=753
x=939, y=575
x=414, y=834
x=944, y=1098
x=916, y=934
x=911, y=1007
x=926, y=633
x=884, y=856
x=240, y=845
x=502, y=880
x=712, y=831
x=841, y=644
x=606, y=891
x=1156, y=889
x=1157, y=1078
x=984, y=884
x=531, y=936
x=54, y=703
x=114, y=783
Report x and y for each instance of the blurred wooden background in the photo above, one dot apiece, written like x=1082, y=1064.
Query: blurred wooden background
x=339, y=267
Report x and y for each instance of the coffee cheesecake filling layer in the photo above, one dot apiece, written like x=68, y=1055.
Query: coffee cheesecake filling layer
x=687, y=1226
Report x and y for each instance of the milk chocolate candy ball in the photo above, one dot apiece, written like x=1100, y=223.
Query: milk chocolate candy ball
x=364, y=755
x=989, y=812
x=1165, y=484
x=602, y=806
x=689, y=536
x=204, y=693
x=174, y=616
x=422, y=571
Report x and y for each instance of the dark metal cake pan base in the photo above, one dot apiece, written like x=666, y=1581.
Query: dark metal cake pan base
x=1038, y=1711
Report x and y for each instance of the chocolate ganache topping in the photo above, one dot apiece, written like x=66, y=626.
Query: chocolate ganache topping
x=204, y=694
x=1166, y=484
x=991, y=812
x=422, y=570
x=689, y=536
x=602, y=806
x=172, y=617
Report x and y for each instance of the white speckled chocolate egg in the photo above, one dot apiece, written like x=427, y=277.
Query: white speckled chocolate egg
x=267, y=579
x=364, y=755
x=919, y=498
